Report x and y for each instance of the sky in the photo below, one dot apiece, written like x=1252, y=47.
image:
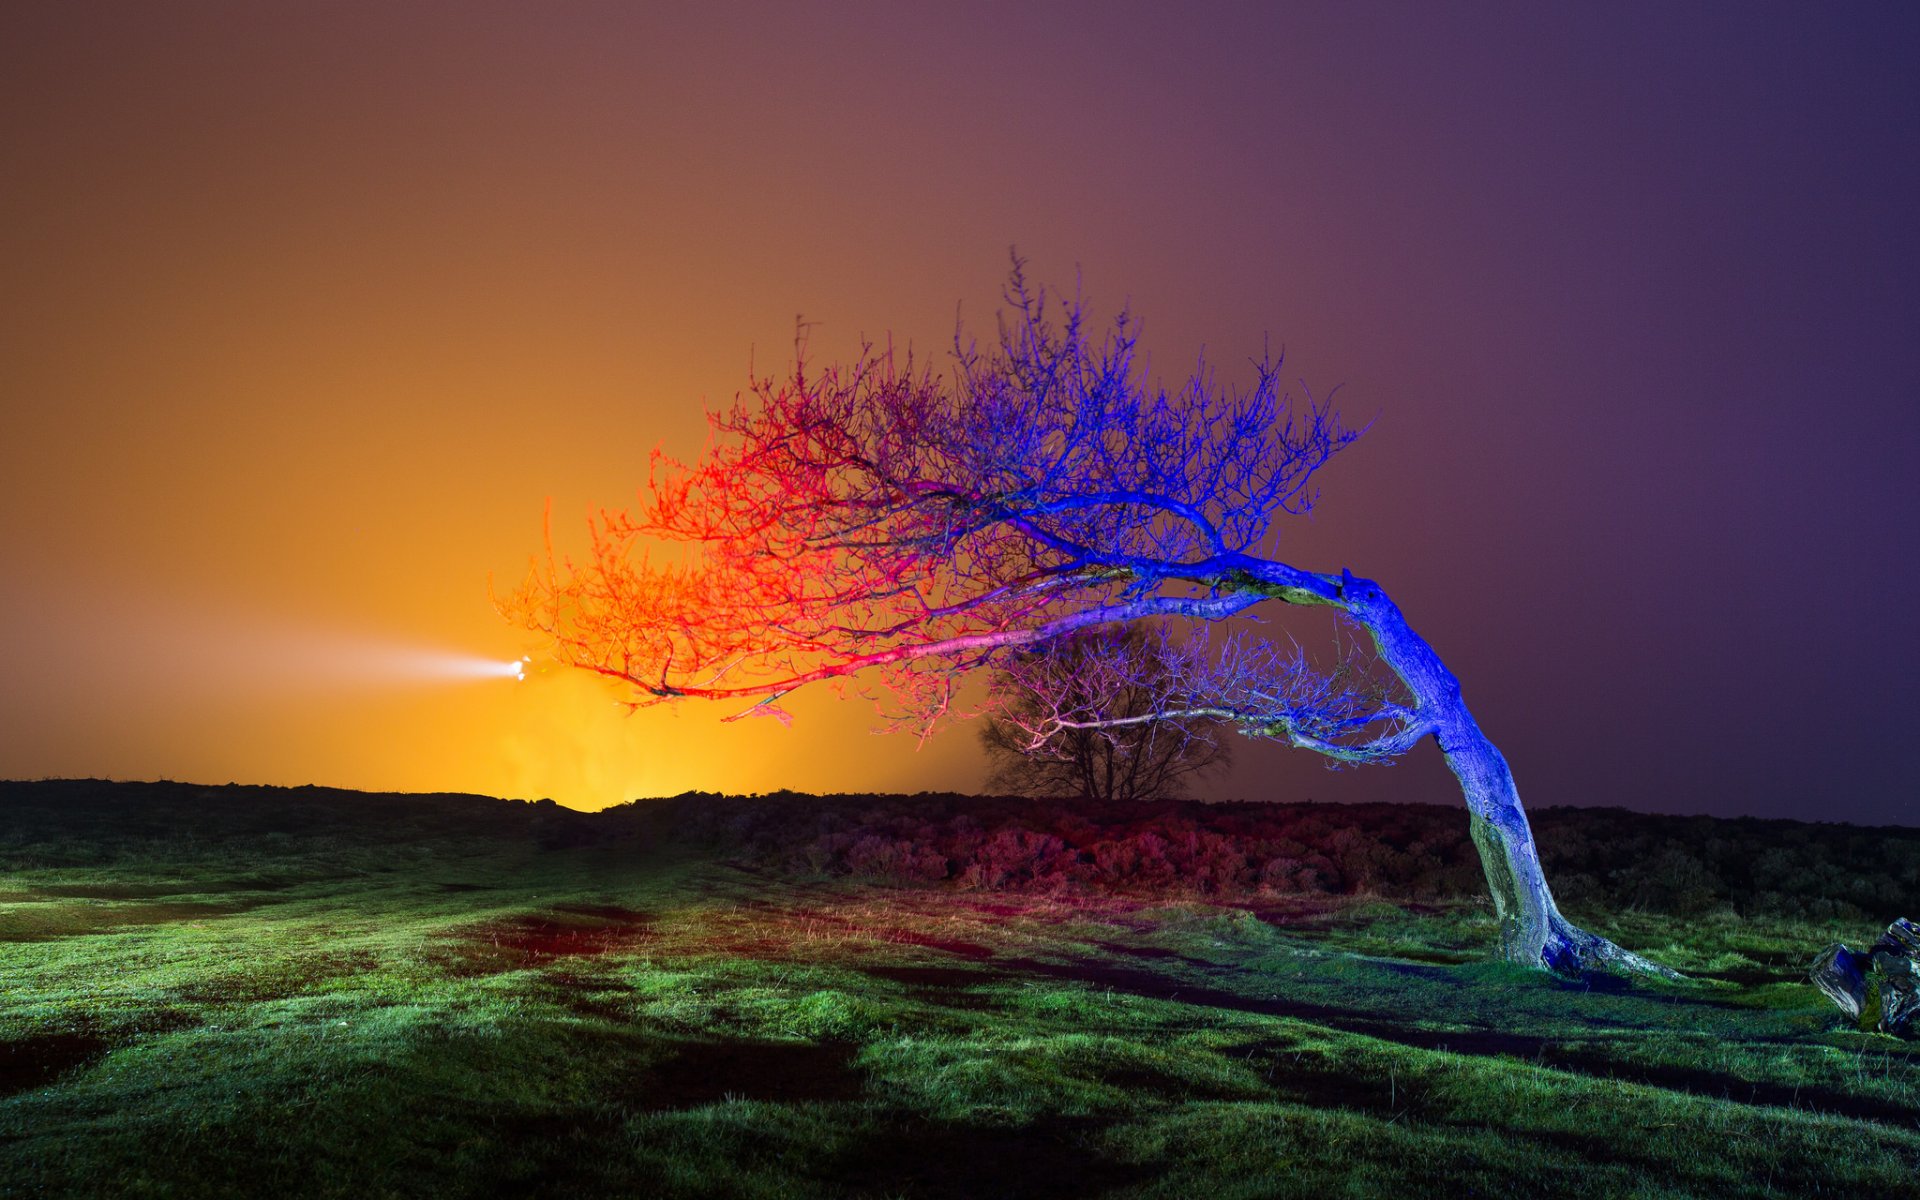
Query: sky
x=308, y=310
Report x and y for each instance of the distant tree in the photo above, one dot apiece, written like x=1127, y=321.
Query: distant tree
x=881, y=523
x=1063, y=720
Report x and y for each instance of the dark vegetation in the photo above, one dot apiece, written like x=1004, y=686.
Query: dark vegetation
x=1598, y=858
x=1604, y=858
x=242, y=991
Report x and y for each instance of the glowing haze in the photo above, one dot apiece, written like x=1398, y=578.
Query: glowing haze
x=307, y=310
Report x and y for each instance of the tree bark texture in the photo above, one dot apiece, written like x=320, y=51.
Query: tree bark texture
x=1532, y=930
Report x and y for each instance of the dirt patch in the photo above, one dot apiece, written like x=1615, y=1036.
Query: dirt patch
x=952, y=987
x=47, y=921
x=781, y=1072
x=566, y=931
x=35, y=1062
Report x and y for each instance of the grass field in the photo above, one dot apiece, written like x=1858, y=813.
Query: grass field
x=391, y=997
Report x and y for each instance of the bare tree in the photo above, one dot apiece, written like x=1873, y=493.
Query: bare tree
x=1063, y=719
x=881, y=524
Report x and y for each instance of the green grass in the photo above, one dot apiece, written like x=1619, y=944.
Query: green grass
x=467, y=1014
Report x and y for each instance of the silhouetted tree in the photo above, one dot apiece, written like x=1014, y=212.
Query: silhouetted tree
x=1062, y=722
x=875, y=521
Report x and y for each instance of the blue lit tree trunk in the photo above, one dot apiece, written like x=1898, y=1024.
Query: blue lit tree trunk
x=1532, y=931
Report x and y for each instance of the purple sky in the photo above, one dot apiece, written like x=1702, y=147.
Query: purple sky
x=308, y=309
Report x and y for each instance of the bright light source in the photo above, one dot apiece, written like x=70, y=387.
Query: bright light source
x=511, y=669
x=454, y=666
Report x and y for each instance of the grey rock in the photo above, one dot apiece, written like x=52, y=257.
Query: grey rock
x=1899, y=979
x=1890, y=970
x=1838, y=972
x=1902, y=938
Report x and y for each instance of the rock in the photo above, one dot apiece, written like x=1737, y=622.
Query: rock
x=1902, y=937
x=1890, y=969
x=1899, y=994
x=1838, y=973
x=1894, y=963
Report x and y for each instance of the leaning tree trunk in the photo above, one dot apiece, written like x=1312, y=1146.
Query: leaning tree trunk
x=1532, y=931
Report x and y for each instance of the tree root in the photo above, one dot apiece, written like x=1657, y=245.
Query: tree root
x=1573, y=951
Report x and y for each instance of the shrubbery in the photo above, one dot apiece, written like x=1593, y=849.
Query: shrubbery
x=1598, y=857
x=1607, y=859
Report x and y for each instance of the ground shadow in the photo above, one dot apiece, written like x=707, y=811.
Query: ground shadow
x=1058, y=1157
x=1541, y=1051
x=702, y=1073
x=35, y=1062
